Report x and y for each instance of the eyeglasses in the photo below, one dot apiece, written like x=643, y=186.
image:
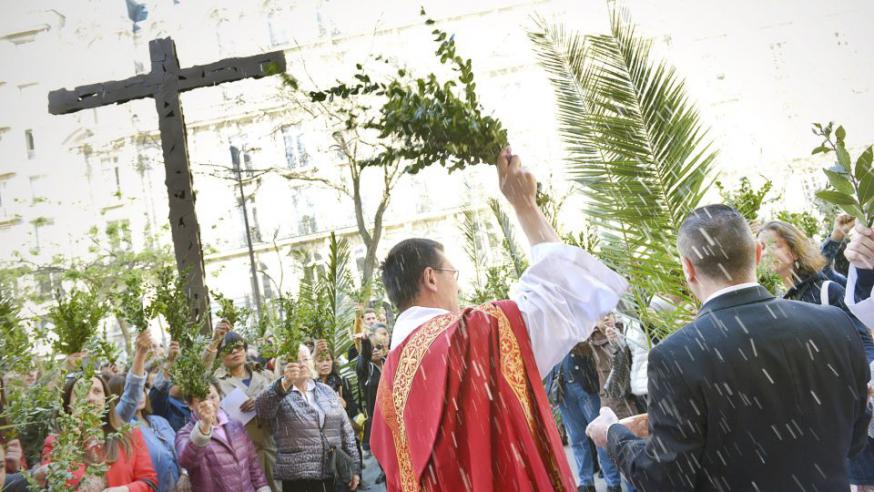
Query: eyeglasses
x=448, y=270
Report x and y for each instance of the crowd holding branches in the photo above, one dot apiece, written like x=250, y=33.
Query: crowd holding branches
x=636, y=150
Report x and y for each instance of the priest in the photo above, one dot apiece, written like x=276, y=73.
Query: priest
x=461, y=405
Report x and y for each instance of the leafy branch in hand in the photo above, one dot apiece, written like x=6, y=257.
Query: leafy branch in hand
x=130, y=306
x=852, y=187
x=190, y=372
x=229, y=311
x=75, y=318
x=171, y=302
x=15, y=354
x=423, y=120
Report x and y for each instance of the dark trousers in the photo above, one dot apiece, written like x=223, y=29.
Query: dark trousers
x=308, y=485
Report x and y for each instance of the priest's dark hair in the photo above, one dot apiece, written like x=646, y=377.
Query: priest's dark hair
x=403, y=268
x=719, y=242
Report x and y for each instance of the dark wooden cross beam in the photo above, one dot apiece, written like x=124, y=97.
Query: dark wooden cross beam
x=164, y=83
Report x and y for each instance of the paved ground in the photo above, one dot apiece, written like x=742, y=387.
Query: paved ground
x=371, y=471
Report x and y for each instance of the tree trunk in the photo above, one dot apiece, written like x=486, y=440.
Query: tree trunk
x=125, y=332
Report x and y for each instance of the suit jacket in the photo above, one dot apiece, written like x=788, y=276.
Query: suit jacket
x=756, y=394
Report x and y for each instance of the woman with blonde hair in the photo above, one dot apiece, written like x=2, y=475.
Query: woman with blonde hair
x=793, y=256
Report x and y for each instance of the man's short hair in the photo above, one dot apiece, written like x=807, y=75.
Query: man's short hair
x=718, y=241
x=403, y=268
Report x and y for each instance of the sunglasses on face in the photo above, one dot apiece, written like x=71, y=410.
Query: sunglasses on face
x=233, y=348
x=379, y=346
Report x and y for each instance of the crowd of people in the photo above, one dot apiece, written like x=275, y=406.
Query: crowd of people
x=295, y=425
x=758, y=392
x=610, y=368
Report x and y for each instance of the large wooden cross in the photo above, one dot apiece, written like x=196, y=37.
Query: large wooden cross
x=164, y=83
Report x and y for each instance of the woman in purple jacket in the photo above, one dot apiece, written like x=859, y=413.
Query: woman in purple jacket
x=216, y=451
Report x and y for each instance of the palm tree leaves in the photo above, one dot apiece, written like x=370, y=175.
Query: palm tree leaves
x=635, y=144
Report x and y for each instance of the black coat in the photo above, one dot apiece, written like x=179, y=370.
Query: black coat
x=757, y=393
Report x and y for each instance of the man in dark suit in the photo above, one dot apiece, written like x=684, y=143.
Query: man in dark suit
x=757, y=393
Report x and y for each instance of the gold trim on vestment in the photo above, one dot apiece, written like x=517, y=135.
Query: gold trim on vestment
x=408, y=365
x=512, y=368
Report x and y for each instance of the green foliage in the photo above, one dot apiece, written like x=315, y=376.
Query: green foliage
x=324, y=307
x=289, y=334
x=76, y=318
x=130, y=305
x=171, y=302
x=15, y=347
x=227, y=310
x=851, y=187
x=802, y=220
x=80, y=438
x=102, y=350
x=587, y=239
x=31, y=411
x=491, y=282
x=337, y=285
x=511, y=248
x=768, y=279
x=745, y=199
x=422, y=120
x=636, y=146
x=189, y=371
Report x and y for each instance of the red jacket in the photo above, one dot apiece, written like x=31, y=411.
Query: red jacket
x=134, y=471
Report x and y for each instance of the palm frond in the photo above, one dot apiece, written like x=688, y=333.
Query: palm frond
x=511, y=248
x=635, y=144
x=473, y=245
x=338, y=286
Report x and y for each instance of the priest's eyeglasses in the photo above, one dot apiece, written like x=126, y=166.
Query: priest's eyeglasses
x=448, y=270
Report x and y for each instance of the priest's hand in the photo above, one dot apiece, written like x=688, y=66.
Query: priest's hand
x=860, y=251
x=520, y=188
x=597, y=429
x=517, y=184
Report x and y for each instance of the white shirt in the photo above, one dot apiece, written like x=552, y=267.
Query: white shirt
x=864, y=309
x=561, y=295
x=310, y=397
x=728, y=289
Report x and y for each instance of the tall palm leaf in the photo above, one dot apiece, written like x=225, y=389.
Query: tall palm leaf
x=470, y=228
x=636, y=146
x=335, y=288
x=336, y=284
x=511, y=248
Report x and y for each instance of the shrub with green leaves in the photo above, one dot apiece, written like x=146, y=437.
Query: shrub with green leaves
x=15, y=354
x=745, y=199
x=802, y=220
x=851, y=187
x=76, y=318
x=189, y=371
x=227, y=310
x=289, y=333
x=79, y=438
x=171, y=302
x=131, y=303
x=31, y=412
x=422, y=120
x=102, y=350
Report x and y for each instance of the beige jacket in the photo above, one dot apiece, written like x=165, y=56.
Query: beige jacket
x=259, y=431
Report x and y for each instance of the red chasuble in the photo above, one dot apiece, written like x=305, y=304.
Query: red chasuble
x=461, y=407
